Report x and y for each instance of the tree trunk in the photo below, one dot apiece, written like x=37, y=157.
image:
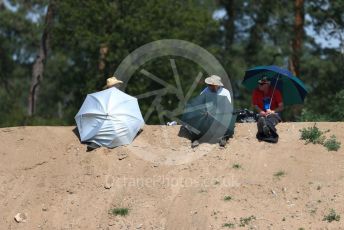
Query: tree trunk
x=103, y=51
x=229, y=25
x=38, y=66
x=255, y=42
x=296, y=44
x=3, y=59
x=294, y=63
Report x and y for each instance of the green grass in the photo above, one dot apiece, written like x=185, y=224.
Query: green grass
x=332, y=144
x=227, y=198
x=229, y=225
x=332, y=216
x=313, y=211
x=120, y=211
x=316, y=136
x=236, y=166
x=246, y=220
x=279, y=174
x=312, y=135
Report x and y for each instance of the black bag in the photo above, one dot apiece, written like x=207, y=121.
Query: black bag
x=271, y=121
x=245, y=116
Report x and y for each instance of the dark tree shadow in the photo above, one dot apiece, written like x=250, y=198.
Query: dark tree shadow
x=184, y=133
x=138, y=133
x=77, y=134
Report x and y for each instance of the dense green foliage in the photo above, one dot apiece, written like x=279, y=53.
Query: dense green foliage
x=312, y=135
x=332, y=144
x=259, y=33
x=316, y=136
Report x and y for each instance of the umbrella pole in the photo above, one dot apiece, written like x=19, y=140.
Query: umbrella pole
x=273, y=91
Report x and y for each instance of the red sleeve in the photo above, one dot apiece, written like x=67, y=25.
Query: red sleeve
x=278, y=97
x=254, y=98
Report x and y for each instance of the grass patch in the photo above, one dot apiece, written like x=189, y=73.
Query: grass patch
x=332, y=144
x=279, y=174
x=227, y=198
x=316, y=136
x=332, y=216
x=236, y=166
x=246, y=220
x=229, y=225
x=313, y=211
x=313, y=135
x=120, y=211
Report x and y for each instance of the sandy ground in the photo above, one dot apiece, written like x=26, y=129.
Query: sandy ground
x=46, y=173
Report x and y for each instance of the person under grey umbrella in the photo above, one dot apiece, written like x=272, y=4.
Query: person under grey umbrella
x=214, y=85
x=110, y=82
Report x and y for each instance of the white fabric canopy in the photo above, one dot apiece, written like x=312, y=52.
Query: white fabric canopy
x=109, y=118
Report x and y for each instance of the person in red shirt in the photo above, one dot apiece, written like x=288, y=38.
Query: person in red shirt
x=265, y=99
x=268, y=102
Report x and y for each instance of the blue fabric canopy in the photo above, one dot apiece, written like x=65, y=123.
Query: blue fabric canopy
x=291, y=87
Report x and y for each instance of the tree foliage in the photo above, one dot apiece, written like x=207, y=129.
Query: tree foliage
x=89, y=39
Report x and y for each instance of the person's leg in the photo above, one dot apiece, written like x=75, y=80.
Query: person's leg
x=194, y=140
x=274, y=119
x=194, y=143
x=223, y=141
x=262, y=126
x=92, y=146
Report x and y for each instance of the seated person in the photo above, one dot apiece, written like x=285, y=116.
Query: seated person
x=268, y=103
x=214, y=85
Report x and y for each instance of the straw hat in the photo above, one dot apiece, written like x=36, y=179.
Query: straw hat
x=111, y=81
x=213, y=80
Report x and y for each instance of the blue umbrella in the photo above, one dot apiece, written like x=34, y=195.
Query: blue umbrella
x=291, y=87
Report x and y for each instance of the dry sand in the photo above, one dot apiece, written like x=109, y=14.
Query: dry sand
x=46, y=173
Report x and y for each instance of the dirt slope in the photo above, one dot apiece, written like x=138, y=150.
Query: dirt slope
x=46, y=173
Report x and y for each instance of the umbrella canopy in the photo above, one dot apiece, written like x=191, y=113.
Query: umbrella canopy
x=109, y=118
x=291, y=87
x=208, y=115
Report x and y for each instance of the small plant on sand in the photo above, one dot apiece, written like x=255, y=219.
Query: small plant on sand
x=120, y=211
x=332, y=216
x=236, y=166
x=313, y=135
x=313, y=211
x=332, y=144
x=203, y=191
x=229, y=225
x=246, y=220
x=279, y=174
x=227, y=198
